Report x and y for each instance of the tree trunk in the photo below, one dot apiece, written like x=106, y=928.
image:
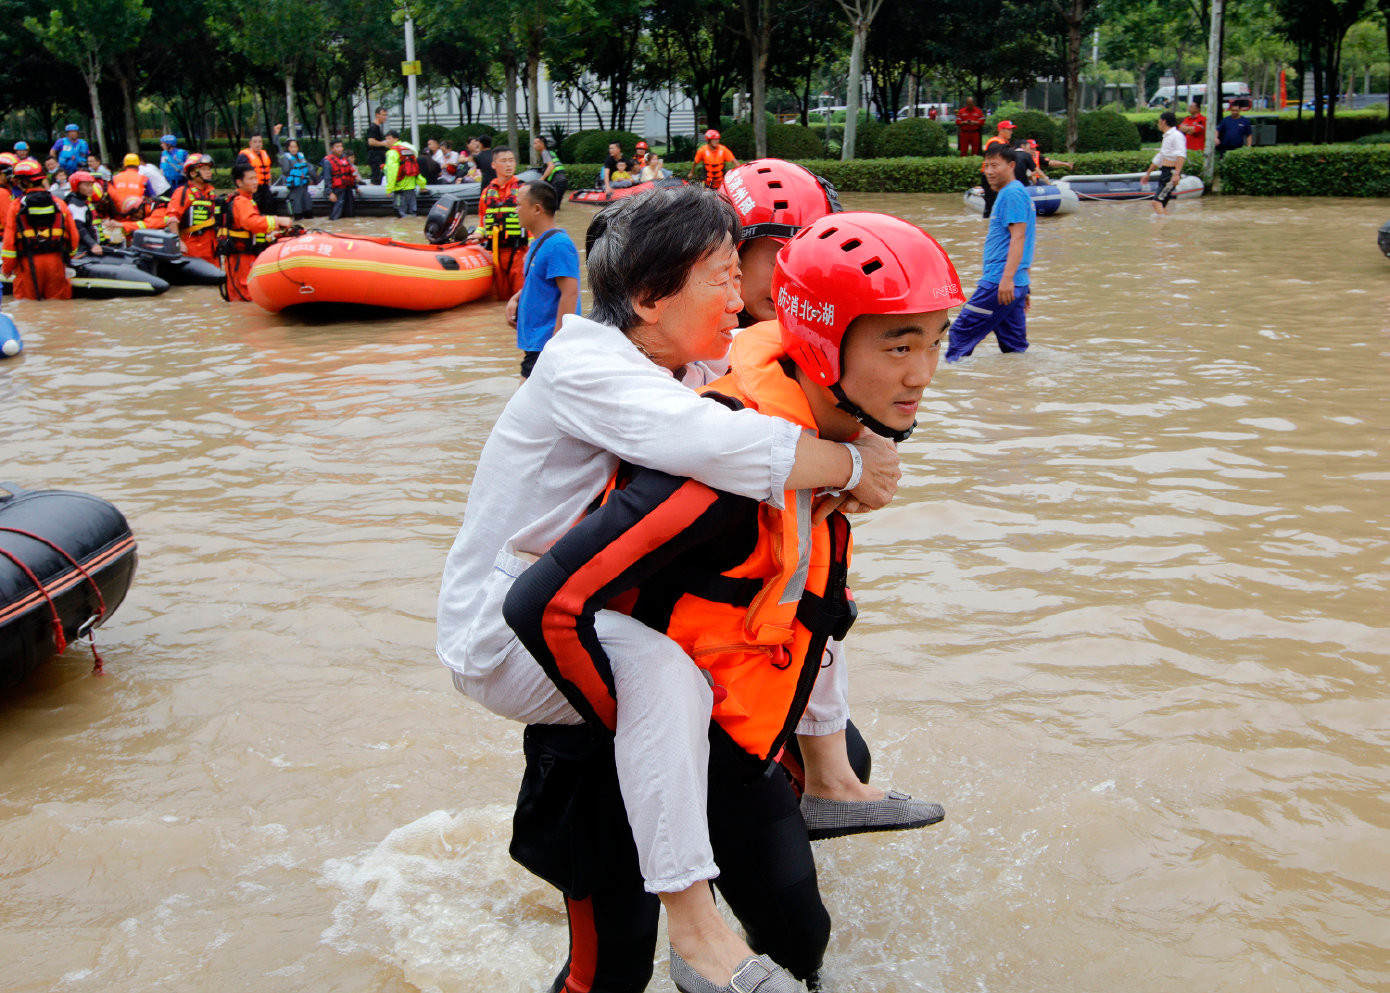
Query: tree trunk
x=1074, y=15
x=533, y=93
x=1218, y=14
x=132, y=129
x=98, y=121
x=289, y=105
x=510, y=67
x=757, y=25
x=856, y=79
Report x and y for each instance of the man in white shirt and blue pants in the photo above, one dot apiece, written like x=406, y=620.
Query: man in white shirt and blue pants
x=1169, y=160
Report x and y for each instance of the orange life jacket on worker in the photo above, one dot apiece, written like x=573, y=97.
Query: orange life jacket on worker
x=261, y=160
x=125, y=195
x=343, y=173
x=195, y=206
x=409, y=166
x=997, y=140
x=760, y=628
x=41, y=225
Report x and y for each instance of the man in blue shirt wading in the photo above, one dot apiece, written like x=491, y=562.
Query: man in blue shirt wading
x=551, y=287
x=1000, y=302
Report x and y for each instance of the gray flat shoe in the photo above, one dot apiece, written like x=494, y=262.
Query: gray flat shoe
x=756, y=974
x=895, y=812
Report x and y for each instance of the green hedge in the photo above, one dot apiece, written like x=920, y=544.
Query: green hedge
x=1345, y=170
x=784, y=141
x=948, y=174
x=1033, y=124
x=592, y=146
x=914, y=136
x=1106, y=130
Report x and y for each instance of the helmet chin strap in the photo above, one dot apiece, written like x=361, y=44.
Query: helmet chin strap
x=860, y=415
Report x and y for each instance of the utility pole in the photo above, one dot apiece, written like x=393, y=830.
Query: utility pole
x=411, y=70
x=1214, y=100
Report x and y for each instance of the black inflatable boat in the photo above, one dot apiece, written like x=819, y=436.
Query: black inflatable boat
x=66, y=561
x=1383, y=238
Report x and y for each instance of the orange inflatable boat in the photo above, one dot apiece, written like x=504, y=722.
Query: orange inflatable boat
x=374, y=272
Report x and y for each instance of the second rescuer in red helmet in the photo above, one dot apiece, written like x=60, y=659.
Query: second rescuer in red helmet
x=774, y=200
x=876, y=287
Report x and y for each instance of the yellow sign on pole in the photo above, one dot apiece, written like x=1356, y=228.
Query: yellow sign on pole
x=410, y=68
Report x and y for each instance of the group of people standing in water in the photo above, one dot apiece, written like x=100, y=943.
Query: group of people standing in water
x=678, y=655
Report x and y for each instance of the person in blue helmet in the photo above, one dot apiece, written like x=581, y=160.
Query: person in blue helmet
x=21, y=150
x=172, y=160
x=71, y=150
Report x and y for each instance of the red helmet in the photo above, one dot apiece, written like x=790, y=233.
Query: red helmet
x=776, y=199
x=79, y=177
x=27, y=169
x=641, y=144
x=846, y=265
x=8, y=159
x=195, y=160
x=711, y=133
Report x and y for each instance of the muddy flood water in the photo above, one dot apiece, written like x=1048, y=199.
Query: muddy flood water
x=1127, y=621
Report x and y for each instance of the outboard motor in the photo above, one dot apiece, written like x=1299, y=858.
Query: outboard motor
x=158, y=243
x=447, y=221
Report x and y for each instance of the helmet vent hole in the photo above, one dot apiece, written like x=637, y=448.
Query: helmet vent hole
x=827, y=233
x=780, y=205
x=774, y=184
x=851, y=245
x=872, y=265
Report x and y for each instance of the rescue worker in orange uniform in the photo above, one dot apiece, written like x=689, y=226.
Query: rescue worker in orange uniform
x=255, y=155
x=193, y=210
x=130, y=201
x=7, y=190
x=39, y=238
x=715, y=158
x=848, y=349
x=969, y=120
x=500, y=229
x=244, y=232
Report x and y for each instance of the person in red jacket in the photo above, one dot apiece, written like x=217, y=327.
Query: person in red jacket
x=969, y=120
x=192, y=210
x=1194, y=126
x=39, y=237
x=244, y=232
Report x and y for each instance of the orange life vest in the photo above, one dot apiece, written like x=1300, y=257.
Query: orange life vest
x=261, y=160
x=344, y=173
x=126, y=187
x=760, y=627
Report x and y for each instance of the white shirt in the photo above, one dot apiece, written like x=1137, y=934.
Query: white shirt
x=1174, y=147
x=591, y=400
x=156, y=178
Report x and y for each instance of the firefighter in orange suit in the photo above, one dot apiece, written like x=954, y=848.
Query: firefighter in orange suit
x=7, y=164
x=39, y=238
x=243, y=232
x=500, y=229
x=193, y=208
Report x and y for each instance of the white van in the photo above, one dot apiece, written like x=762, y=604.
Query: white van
x=1164, y=95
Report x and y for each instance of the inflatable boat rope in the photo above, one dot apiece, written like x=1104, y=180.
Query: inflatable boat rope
x=89, y=625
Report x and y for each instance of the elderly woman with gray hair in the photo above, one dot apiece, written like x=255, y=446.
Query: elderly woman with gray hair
x=664, y=273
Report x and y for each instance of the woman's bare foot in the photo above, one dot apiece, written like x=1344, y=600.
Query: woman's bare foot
x=700, y=936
